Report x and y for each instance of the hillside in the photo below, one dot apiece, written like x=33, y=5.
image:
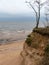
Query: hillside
x=36, y=48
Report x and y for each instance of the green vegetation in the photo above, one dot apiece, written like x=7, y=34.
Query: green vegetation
x=29, y=40
x=29, y=35
x=47, y=49
x=45, y=60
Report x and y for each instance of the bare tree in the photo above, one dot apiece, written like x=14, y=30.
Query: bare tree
x=36, y=6
x=47, y=13
x=47, y=20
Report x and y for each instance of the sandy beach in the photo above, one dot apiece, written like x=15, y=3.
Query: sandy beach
x=10, y=53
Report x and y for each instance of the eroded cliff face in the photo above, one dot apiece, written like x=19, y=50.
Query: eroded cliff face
x=33, y=51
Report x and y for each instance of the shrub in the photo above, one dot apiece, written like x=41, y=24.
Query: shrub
x=45, y=60
x=29, y=35
x=29, y=41
x=47, y=49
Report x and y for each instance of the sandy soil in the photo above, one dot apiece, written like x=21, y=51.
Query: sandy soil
x=10, y=53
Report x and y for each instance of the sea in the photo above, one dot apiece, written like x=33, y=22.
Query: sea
x=14, y=30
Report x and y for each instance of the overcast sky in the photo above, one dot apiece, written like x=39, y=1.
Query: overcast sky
x=14, y=6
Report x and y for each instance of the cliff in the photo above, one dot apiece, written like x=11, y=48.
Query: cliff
x=36, y=48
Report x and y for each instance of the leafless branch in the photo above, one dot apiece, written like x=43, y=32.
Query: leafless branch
x=42, y=4
x=37, y=2
x=31, y=6
x=37, y=11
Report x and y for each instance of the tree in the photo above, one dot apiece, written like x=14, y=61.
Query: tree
x=47, y=13
x=46, y=18
x=36, y=6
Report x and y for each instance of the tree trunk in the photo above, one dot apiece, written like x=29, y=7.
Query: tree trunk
x=38, y=16
x=37, y=22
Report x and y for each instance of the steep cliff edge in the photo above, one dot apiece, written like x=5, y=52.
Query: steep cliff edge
x=36, y=48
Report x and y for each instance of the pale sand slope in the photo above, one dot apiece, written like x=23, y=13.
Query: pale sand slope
x=10, y=53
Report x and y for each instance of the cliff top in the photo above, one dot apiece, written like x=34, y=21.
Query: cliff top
x=43, y=31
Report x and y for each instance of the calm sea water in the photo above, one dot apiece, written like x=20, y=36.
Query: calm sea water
x=17, y=25
x=14, y=30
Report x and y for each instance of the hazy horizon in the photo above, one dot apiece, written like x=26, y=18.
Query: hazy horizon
x=16, y=7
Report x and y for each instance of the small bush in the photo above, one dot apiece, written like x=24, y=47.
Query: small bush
x=45, y=60
x=47, y=26
x=47, y=49
x=29, y=41
x=29, y=35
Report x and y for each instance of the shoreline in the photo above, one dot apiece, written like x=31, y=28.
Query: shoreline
x=12, y=41
x=7, y=37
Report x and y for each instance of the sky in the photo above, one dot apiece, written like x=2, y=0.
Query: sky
x=14, y=7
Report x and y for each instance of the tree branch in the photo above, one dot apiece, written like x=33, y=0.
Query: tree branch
x=37, y=2
x=42, y=4
x=31, y=6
